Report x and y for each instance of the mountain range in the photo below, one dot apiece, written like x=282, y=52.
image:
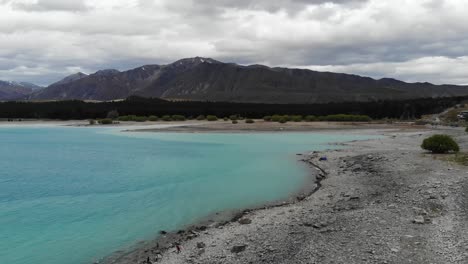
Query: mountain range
x=204, y=79
x=16, y=90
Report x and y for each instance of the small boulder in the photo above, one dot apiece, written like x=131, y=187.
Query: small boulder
x=202, y=228
x=245, y=221
x=300, y=197
x=238, y=249
x=201, y=245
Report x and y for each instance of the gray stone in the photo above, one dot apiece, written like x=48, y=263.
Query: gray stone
x=201, y=245
x=238, y=249
x=418, y=220
x=245, y=221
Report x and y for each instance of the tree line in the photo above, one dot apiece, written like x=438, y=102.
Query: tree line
x=137, y=106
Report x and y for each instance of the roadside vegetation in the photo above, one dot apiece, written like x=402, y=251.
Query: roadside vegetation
x=452, y=117
x=452, y=114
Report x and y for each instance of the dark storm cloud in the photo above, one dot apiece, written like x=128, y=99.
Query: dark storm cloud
x=43, y=40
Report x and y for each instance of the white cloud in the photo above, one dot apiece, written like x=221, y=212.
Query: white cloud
x=439, y=70
x=355, y=35
x=51, y=5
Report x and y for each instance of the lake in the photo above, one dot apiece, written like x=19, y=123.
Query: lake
x=75, y=195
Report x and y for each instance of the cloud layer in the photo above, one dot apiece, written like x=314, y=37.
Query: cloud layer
x=414, y=40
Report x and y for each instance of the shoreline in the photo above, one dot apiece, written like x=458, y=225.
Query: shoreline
x=164, y=243
x=139, y=252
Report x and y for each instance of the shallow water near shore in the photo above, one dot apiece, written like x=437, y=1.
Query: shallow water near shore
x=75, y=195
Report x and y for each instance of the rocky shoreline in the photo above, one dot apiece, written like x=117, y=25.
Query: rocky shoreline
x=382, y=201
x=165, y=243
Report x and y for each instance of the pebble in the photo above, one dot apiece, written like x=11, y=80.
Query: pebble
x=418, y=220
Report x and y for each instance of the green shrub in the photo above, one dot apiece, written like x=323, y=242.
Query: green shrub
x=124, y=118
x=276, y=118
x=310, y=118
x=226, y=119
x=234, y=121
x=92, y=122
x=211, y=118
x=267, y=118
x=201, y=117
x=440, y=144
x=343, y=118
x=282, y=118
x=178, y=118
x=131, y=118
x=106, y=121
x=167, y=118
x=139, y=118
x=466, y=129
x=153, y=118
x=234, y=117
x=296, y=118
x=249, y=121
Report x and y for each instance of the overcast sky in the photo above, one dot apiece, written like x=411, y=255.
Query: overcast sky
x=42, y=41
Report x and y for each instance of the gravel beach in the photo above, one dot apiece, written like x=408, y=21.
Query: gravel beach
x=380, y=201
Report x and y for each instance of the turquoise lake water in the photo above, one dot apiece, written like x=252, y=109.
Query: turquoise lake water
x=75, y=195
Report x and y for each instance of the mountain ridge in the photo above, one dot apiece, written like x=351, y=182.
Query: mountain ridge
x=205, y=79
